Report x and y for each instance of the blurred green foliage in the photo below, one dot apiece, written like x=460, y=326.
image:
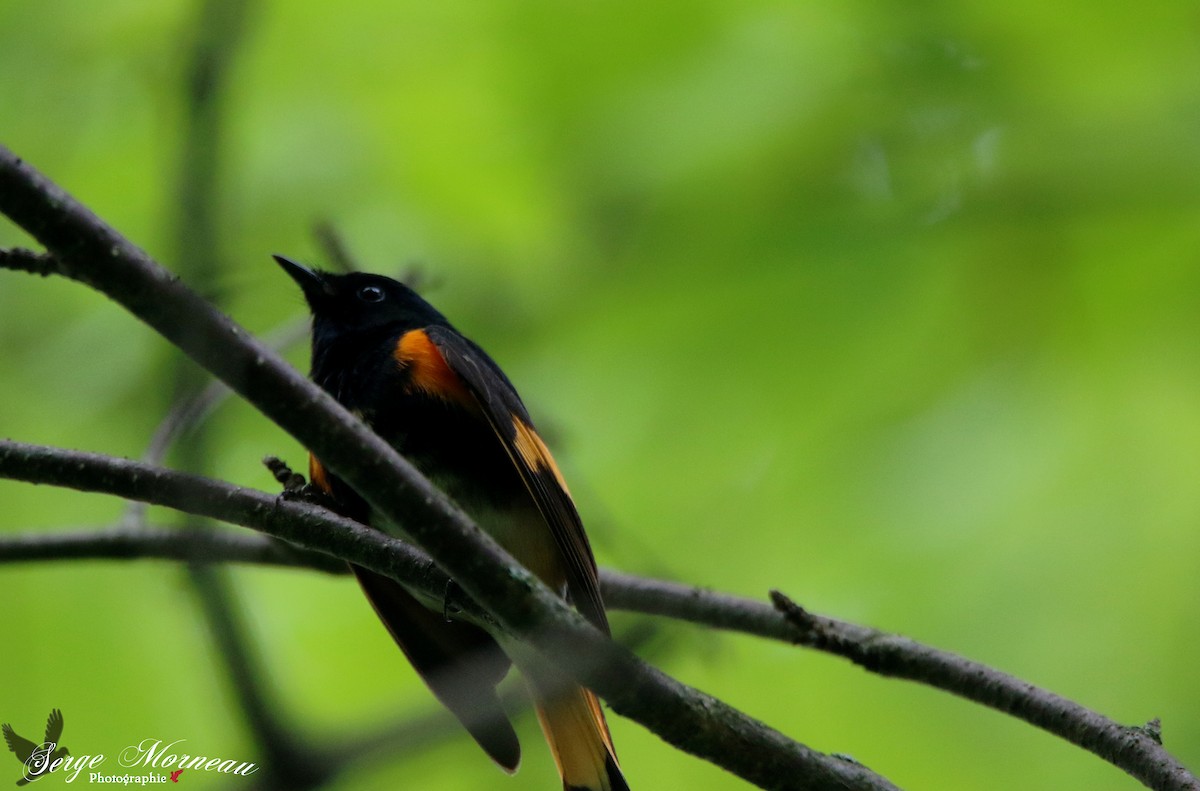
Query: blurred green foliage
x=892, y=307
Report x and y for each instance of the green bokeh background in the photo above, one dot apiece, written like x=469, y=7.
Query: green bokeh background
x=892, y=307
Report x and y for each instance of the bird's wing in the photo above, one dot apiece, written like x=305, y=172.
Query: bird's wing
x=54, y=726
x=461, y=663
x=502, y=407
x=20, y=746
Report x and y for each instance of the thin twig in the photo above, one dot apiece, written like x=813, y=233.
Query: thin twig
x=331, y=242
x=151, y=543
x=22, y=260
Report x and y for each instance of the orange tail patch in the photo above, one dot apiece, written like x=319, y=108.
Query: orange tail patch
x=580, y=742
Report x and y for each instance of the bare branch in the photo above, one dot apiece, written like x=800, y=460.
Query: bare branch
x=22, y=260
x=123, y=543
x=1136, y=749
x=318, y=530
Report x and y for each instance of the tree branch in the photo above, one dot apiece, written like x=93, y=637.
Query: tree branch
x=1136, y=750
x=318, y=530
x=89, y=251
x=92, y=252
x=125, y=543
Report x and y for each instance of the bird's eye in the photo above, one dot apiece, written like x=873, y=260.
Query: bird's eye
x=370, y=294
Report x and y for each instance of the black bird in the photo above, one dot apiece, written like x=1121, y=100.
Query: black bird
x=389, y=356
x=49, y=751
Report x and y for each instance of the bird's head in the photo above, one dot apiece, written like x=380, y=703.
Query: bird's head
x=358, y=301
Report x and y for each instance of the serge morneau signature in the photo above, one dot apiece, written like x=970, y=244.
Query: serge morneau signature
x=147, y=754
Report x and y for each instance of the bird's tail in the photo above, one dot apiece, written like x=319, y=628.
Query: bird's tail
x=578, y=736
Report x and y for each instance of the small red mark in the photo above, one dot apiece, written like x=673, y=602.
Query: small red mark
x=175, y=775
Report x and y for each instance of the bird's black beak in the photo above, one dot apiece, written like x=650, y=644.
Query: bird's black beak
x=313, y=283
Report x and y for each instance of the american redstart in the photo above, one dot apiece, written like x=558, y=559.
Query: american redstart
x=390, y=357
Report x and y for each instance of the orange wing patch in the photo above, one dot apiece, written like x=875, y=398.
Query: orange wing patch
x=535, y=453
x=427, y=368
x=317, y=475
